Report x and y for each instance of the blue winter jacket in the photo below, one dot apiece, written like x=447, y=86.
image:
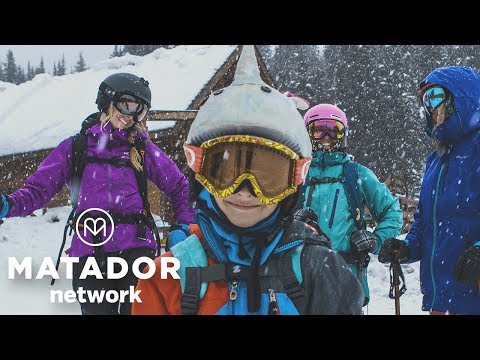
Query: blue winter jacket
x=329, y=287
x=447, y=220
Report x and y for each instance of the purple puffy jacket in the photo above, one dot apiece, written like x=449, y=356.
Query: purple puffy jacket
x=105, y=186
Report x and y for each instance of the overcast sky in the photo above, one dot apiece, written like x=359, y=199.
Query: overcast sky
x=53, y=53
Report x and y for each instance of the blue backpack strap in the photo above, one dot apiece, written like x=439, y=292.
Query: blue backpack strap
x=354, y=196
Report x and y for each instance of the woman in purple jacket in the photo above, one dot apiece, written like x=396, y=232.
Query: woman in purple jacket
x=114, y=162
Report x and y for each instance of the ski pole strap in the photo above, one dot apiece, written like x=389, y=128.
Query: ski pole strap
x=396, y=274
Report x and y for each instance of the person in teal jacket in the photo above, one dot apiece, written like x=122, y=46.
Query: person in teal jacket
x=330, y=196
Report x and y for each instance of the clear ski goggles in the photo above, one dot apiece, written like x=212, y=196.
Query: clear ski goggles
x=318, y=129
x=130, y=106
x=223, y=163
x=433, y=96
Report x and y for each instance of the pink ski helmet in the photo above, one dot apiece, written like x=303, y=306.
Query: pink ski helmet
x=327, y=111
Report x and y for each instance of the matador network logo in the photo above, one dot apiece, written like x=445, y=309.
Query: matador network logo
x=86, y=224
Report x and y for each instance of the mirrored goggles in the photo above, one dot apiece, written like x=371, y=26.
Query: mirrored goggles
x=223, y=163
x=433, y=97
x=334, y=129
x=131, y=106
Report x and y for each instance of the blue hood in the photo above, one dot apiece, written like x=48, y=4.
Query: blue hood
x=226, y=239
x=464, y=84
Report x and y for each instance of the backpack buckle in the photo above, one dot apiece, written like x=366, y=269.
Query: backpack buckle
x=189, y=303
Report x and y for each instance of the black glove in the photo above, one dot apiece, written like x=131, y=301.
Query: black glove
x=363, y=241
x=309, y=217
x=467, y=269
x=394, y=249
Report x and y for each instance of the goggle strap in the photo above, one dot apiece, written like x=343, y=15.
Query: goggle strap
x=424, y=89
x=194, y=155
x=301, y=170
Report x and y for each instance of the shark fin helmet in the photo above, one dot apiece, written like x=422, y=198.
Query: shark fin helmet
x=250, y=107
x=119, y=84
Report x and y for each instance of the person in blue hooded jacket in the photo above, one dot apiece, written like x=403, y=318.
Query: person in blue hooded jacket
x=445, y=235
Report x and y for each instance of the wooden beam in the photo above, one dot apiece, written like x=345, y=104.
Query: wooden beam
x=169, y=115
x=219, y=75
x=264, y=74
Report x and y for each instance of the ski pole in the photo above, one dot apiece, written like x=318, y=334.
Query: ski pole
x=396, y=274
x=396, y=283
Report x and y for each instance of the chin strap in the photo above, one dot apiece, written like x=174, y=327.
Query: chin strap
x=317, y=146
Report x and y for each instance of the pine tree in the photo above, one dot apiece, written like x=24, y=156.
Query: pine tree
x=61, y=69
x=2, y=76
x=21, y=77
x=55, y=72
x=41, y=68
x=117, y=51
x=30, y=71
x=10, y=70
x=81, y=65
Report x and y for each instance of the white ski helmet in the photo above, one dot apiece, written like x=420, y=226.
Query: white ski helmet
x=250, y=107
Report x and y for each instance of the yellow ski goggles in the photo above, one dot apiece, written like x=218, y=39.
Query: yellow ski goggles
x=223, y=163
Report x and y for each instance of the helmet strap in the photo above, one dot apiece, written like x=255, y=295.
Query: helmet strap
x=317, y=146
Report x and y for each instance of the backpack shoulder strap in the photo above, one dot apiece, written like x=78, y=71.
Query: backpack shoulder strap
x=79, y=146
x=313, y=181
x=141, y=175
x=79, y=159
x=353, y=193
x=140, y=145
x=194, y=272
x=288, y=268
x=79, y=154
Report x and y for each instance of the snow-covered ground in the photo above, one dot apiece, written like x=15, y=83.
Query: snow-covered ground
x=39, y=237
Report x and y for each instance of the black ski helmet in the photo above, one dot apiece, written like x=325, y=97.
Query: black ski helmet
x=119, y=84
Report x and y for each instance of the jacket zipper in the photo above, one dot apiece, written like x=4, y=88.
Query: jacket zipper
x=434, y=219
x=330, y=223
x=233, y=294
x=213, y=246
x=272, y=304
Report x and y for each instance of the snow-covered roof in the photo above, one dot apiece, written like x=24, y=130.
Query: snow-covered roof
x=40, y=113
